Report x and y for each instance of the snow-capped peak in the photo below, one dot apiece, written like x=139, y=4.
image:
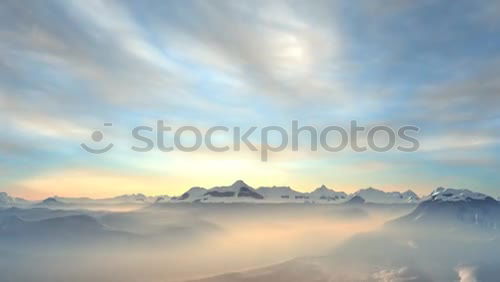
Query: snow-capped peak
x=373, y=195
x=238, y=184
x=280, y=194
x=192, y=194
x=323, y=189
x=235, y=187
x=325, y=193
x=238, y=191
x=409, y=193
x=132, y=197
x=455, y=195
x=448, y=207
x=7, y=200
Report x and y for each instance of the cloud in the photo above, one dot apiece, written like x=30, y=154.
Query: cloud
x=66, y=66
x=471, y=99
x=466, y=273
x=95, y=182
x=458, y=141
x=400, y=275
x=282, y=56
x=412, y=244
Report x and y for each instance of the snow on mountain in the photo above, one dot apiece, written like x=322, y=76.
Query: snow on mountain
x=356, y=200
x=325, y=194
x=281, y=194
x=118, y=200
x=448, y=207
x=132, y=199
x=454, y=195
x=52, y=202
x=411, y=196
x=7, y=201
x=241, y=192
x=372, y=195
x=162, y=199
x=193, y=194
x=237, y=192
x=285, y=194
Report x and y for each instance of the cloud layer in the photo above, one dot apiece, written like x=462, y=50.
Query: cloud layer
x=66, y=67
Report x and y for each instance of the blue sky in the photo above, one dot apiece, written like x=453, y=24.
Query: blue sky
x=66, y=67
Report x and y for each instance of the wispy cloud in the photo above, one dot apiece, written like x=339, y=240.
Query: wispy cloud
x=68, y=66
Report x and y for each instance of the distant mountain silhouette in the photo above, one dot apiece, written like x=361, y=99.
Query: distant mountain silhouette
x=241, y=192
x=356, y=200
x=450, y=207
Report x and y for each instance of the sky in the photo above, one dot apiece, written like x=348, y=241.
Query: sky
x=68, y=67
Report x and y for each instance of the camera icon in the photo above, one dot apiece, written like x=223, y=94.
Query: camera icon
x=97, y=136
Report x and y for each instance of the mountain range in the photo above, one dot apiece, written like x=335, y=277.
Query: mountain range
x=449, y=207
x=455, y=227
x=7, y=200
x=242, y=192
x=60, y=202
x=444, y=225
x=238, y=192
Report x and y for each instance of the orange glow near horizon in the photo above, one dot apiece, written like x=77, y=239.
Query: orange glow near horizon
x=94, y=183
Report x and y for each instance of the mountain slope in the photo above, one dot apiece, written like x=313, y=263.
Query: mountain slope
x=71, y=229
x=136, y=199
x=324, y=194
x=237, y=192
x=404, y=254
x=372, y=195
x=241, y=192
x=8, y=201
x=57, y=226
x=451, y=207
x=281, y=194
